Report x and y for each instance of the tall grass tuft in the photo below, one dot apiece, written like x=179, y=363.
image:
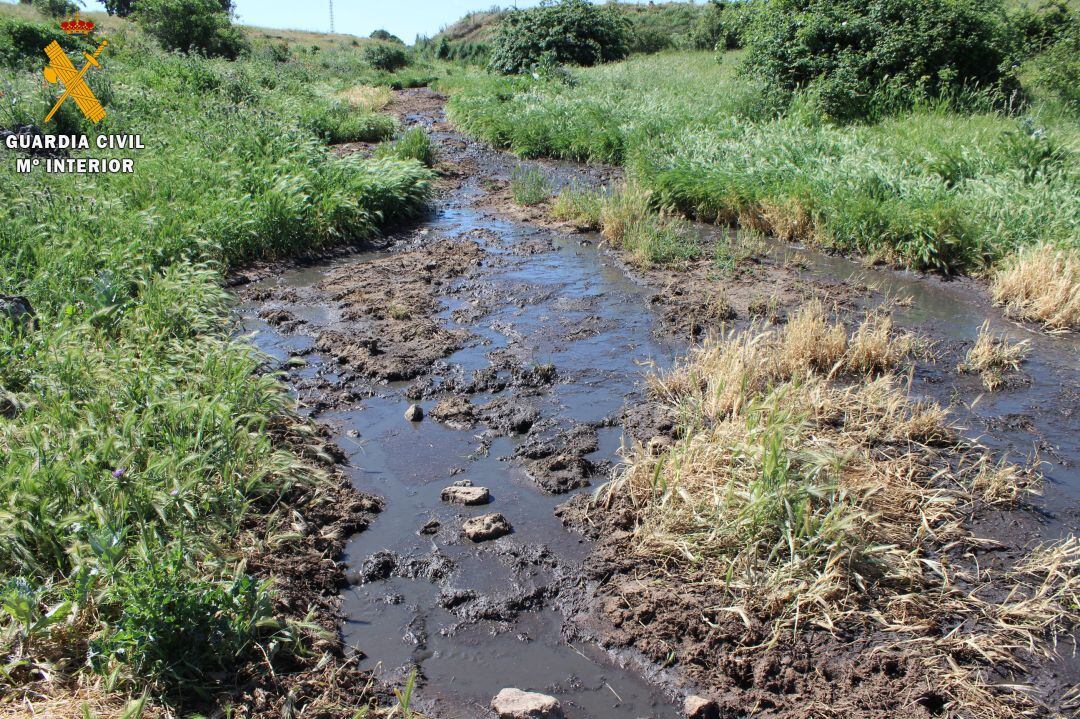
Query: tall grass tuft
x=529, y=186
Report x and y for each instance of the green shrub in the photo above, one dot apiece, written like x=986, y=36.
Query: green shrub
x=179, y=628
x=857, y=55
x=22, y=44
x=55, y=8
x=384, y=36
x=723, y=24
x=192, y=26
x=384, y=56
x=572, y=32
x=1058, y=69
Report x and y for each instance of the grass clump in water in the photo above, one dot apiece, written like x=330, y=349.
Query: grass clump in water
x=993, y=357
x=1041, y=284
x=626, y=219
x=529, y=186
x=414, y=144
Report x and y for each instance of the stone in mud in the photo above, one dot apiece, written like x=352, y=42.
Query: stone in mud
x=430, y=527
x=518, y=704
x=466, y=495
x=696, y=707
x=486, y=526
x=414, y=413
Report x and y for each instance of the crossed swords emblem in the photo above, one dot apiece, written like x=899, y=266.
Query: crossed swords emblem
x=61, y=70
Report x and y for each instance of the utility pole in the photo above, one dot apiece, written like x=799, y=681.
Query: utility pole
x=331, y=16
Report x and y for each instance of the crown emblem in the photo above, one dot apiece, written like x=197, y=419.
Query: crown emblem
x=77, y=26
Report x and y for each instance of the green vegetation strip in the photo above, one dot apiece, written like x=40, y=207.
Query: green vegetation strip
x=136, y=433
x=933, y=187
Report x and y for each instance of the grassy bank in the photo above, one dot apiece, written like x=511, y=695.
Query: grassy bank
x=930, y=188
x=141, y=440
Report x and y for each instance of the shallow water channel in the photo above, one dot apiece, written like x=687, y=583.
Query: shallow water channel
x=475, y=618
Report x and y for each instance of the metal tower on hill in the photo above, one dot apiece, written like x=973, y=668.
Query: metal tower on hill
x=331, y=16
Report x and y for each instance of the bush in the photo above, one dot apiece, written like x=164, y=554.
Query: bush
x=568, y=32
x=181, y=629
x=1058, y=69
x=384, y=36
x=192, y=26
x=858, y=55
x=414, y=144
x=382, y=56
x=21, y=43
x=722, y=25
x=55, y=8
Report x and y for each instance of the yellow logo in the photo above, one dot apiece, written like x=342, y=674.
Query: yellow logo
x=61, y=70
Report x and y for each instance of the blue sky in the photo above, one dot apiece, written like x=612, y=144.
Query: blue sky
x=404, y=18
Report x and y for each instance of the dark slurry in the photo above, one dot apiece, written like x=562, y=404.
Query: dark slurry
x=526, y=345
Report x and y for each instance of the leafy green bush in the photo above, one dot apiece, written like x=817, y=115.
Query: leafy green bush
x=192, y=26
x=384, y=36
x=180, y=629
x=722, y=24
x=857, y=55
x=566, y=32
x=22, y=43
x=55, y=8
x=1058, y=69
x=384, y=56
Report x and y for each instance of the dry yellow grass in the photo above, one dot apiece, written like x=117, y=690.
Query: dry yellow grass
x=1041, y=284
x=815, y=491
x=993, y=356
x=367, y=97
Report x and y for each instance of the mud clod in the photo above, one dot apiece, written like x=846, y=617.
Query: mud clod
x=487, y=526
x=468, y=496
x=518, y=704
x=696, y=707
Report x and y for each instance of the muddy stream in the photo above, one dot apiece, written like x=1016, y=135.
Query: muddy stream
x=534, y=343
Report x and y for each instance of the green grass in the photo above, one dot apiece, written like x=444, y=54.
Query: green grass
x=931, y=188
x=529, y=186
x=144, y=441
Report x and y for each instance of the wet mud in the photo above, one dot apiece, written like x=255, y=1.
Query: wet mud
x=526, y=342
